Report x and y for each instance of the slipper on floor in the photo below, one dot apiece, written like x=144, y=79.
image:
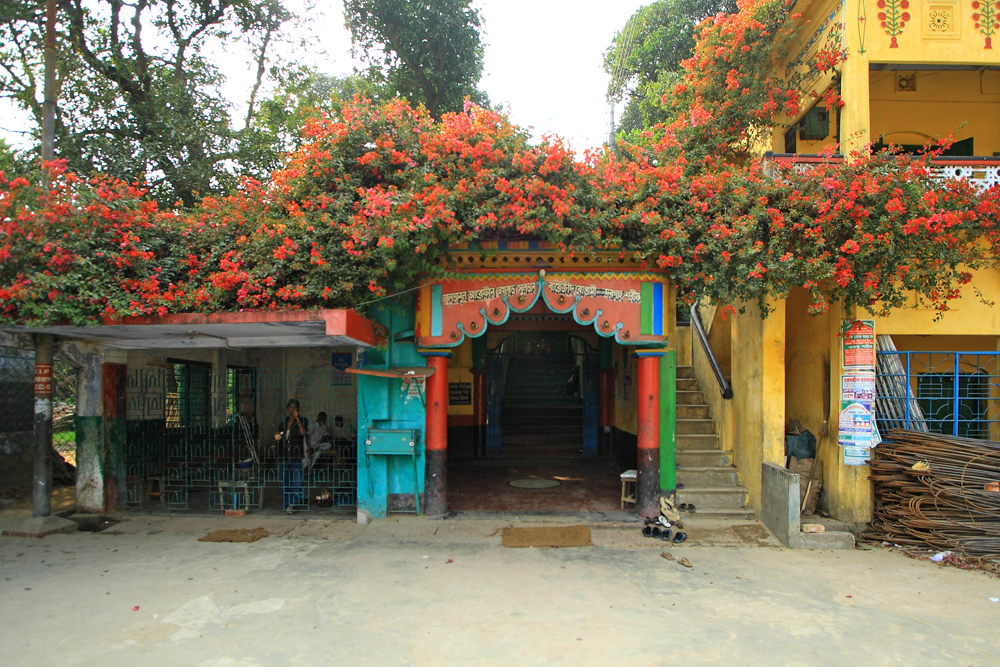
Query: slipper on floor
x=656, y=531
x=665, y=535
x=683, y=507
x=685, y=562
x=679, y=537
x=667, y=555
x=647, y=531
x=691, y=508
x=663, y=522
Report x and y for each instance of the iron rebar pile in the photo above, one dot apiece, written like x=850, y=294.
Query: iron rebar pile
x=937, y=491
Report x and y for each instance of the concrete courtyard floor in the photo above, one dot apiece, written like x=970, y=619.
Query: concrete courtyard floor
x=414, y=591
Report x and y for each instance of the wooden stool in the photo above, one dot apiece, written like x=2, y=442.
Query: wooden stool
x=629, y=479
x=152, y=492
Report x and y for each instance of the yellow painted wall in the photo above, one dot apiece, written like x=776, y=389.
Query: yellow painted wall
x=720, y=339
x=681, y=342
x=807, y=363
x=460, y=370
x=964, y=103
x=626, y=387
x=968, y=315
x=945, y=343
x=952, y=38
x=758, y=410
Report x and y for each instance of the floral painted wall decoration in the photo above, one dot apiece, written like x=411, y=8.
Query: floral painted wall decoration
x=985, y=17
x=893, y=17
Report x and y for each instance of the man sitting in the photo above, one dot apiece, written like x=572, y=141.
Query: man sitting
x=319, y=441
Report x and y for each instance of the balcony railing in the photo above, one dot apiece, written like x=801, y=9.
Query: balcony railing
x=983, y=172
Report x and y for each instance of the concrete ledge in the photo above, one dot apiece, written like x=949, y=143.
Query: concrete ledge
x=779, y=503
x=829, y=540
x=781, y=513
x=41, y=526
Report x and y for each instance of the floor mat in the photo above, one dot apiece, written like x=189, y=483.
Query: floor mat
x=235, y=535
x=546, y=536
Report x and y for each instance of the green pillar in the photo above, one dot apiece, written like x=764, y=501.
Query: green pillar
x=606, y=353
x=479, y=352
x=668, y=421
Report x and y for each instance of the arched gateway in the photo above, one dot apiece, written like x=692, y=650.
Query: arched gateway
x=524, y=341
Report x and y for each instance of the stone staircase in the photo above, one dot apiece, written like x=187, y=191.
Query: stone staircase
x=539, y=418
x=708, y=473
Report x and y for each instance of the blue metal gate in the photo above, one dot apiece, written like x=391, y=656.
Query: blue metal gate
x=952, y=393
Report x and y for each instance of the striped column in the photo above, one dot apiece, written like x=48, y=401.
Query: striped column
x=436, y=434
x=648, y=418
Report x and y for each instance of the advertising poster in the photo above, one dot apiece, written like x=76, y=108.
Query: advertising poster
x=858, y=344
x=855, y=424
x=856, y=456
x=858, y=387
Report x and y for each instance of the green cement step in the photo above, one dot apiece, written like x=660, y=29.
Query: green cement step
x=695, y=426
x=697, y=441
x=690, y=398
x=708, y=476
x=726, y=497
x=693, y=412
x=704, y=458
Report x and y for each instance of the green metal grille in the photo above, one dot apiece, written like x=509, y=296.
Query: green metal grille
x=199, y=439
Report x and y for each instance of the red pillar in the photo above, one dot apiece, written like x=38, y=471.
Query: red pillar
x=436, y=435
x=648, y=413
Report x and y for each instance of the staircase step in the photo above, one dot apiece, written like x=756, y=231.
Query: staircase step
x=704, y=458
x=685, y=372
x=697, y=441
x=693, y=412
x=726, y=497
x=708, y=476
x=688, y=384
x=712, y=514
x=695, y=426
x=690, y=398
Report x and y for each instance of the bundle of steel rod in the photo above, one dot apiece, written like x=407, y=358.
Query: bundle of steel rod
x=937, y=491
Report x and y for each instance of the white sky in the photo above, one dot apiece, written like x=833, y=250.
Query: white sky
x=543, y=63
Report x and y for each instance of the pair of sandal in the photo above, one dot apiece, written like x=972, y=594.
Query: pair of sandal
x=664, y=534
x=686, y=507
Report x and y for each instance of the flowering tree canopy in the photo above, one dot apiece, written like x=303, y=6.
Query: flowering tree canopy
x=377, y=192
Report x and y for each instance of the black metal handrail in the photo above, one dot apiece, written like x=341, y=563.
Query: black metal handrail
x=727, y=391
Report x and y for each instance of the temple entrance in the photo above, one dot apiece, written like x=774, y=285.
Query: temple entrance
x=542, y=400
x=541, y=447
x=542, y=414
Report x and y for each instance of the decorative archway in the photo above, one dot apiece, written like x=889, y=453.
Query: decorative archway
x=628, y=305
x=624, y=302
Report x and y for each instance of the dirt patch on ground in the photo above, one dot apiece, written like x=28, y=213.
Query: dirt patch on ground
x=755, y=535
x=546, y=536
x=236, y=535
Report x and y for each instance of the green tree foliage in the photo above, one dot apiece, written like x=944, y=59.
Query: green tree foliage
x=429, y=52
x=645, y=58
x=138, y=98
x=300, y=92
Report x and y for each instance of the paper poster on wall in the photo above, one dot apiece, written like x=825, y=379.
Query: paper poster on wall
x=858, y=344
x=341, y=361
x=856, y=456
x=415, y=388
x=855, y=424
x=857, y=387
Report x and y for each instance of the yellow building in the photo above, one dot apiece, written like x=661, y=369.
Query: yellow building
x=913, y=71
